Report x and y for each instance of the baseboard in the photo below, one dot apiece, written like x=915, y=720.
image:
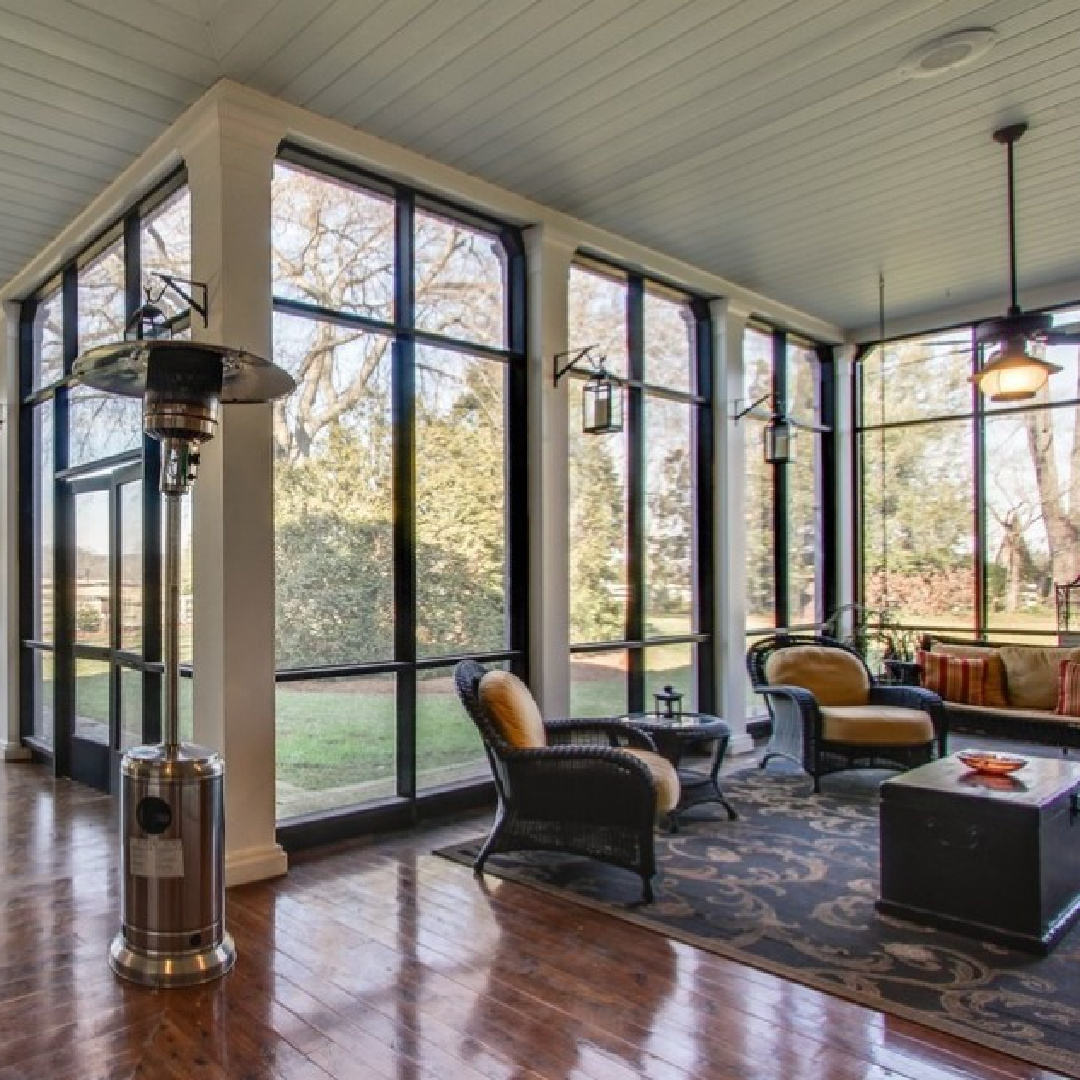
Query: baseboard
x=255, y=864
x=15, y=752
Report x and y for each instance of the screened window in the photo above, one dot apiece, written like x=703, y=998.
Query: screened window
x=969, y=515
x=635, y=502
x=393, y=498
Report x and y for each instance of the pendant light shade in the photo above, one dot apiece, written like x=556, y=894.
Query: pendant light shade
x=1013, y=374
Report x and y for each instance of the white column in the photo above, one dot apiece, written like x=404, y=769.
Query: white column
x=10, y=747
x=230, y=165
x=730, y=554
x=845, y=481
x=549, y=254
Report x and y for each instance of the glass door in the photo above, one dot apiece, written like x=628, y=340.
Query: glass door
x=106, y=631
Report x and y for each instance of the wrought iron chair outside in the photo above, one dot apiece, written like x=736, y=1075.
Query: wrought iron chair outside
x=797, y=721
x=580, y=794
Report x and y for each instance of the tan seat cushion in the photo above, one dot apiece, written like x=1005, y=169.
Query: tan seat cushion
x=994, y=692
x=512, y=709
x=833, y=676
x=664, y=777
x=877, y=725
x=1031, y=674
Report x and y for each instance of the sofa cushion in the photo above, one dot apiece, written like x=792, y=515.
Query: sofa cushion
x=512, y=709
x=833, y=676
x=1068, y=702
x=664, y=777
x=994, y=692
x=877, y=725
x=953, y=678
x=1031, y=673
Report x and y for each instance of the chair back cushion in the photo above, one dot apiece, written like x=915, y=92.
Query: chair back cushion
x=833, y=676
x=512, y=710
x=994, y=687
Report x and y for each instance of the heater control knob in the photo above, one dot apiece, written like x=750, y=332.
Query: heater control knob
x=154, y=815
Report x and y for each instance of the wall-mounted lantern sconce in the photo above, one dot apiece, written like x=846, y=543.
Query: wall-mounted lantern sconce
x=779, y=430
x=150, y=323
x=601, y=396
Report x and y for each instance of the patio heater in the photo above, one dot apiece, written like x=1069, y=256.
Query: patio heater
x=172, y=793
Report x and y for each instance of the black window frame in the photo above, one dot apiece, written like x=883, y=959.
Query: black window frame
x=409, y=803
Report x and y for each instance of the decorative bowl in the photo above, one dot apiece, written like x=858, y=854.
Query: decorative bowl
x=990, y=762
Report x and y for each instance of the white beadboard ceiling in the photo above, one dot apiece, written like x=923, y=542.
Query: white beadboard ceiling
x=773, y=142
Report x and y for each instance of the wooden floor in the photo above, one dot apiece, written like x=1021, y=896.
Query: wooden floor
x=379, y=960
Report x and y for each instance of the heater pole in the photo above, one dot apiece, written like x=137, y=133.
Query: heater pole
x=171, y=644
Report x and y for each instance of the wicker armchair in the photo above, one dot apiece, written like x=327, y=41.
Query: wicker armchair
x=888, y=729
x=584, y=792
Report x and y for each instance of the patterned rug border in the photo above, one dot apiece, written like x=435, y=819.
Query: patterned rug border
x=1047, y=1058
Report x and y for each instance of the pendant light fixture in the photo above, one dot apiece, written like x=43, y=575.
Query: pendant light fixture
x=1013, y=372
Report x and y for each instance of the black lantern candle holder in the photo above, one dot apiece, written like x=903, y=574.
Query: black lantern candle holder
x=668, y=704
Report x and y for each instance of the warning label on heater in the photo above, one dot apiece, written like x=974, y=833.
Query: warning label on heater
x=156, y=858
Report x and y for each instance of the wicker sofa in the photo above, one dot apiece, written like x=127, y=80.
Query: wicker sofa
x=1021, y=691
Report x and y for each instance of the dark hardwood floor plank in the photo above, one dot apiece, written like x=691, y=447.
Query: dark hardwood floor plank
x=376, y=959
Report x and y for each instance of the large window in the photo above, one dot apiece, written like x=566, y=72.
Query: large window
x=969, y=511
x=788, y=532
x=90, y=533
x=639, y=503
x=395, y=477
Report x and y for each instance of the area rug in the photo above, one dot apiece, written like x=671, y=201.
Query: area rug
x=790, y=887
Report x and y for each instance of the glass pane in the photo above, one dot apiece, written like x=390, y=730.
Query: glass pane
x=460, y=281
x=1032, y=523
x=131, y=567
x=597, y=556
x=668, y=342
x=918, y=378
x=48, y=351
x=333, y=245
x=918, y=534
x=186, y=603
x=187, y=709
x=333, y=496
x=597, y=316
x=131, y=708
x=101, y=298
x=461, y=568
x=805, y=535
x=671, y=666
x=165, y=244
x=448, y=746
x=335, y=743
x=92, y=700
x=44, y=716
x=669, y=518
x=760, y=565
x=92, y=567
x=102, y=424
x=43, y=522
x=598, y=683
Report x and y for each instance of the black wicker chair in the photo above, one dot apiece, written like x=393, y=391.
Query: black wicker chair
x=797, y=722
x=579, y=794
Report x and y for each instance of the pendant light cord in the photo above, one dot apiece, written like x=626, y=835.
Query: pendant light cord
x=881, y=457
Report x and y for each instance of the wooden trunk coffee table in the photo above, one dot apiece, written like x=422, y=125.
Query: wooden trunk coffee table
x=993, y=857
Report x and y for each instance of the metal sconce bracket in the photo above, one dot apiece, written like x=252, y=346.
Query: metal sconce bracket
x=574, y=357
x=201, y=305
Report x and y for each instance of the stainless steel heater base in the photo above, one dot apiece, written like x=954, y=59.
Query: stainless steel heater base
x=172, y=969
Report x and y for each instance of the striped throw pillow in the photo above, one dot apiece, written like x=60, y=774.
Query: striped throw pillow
x=954, y=678
x=1068, y=702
